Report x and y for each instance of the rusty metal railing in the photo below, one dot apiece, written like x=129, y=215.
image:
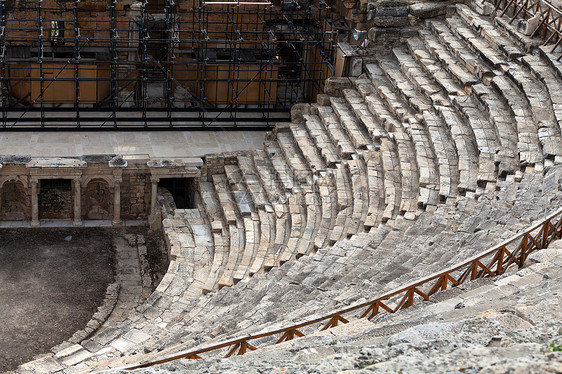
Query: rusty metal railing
x=493, y=262
x=551, y=17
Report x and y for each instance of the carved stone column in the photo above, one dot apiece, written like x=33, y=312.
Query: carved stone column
x=77, y=202
x=117, y=200
x=34, y=202
x=153, y=196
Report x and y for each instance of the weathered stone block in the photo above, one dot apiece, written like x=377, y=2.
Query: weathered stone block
x=384, y=21
x=428, y=10
x=334, y=86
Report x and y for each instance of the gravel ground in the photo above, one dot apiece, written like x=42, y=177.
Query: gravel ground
x=49, y=287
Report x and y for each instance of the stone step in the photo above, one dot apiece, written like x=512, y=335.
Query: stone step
x=298, y=214
x=425, y=155
x=244, y=200
x=372, y=159
x=250, y=218
x=309, y=150
x=220, y=258
x=360, y=196
x=538, y=98
x=321, y=139
x=362, y=113
x=453, y=47
x=225, y=198
x=267, y=241
x=354, y=129
x=235, y=228
x=405, y=150
x=535, y=93
x=360, y=183
x=252, y=181
x=283, y=173
x=269, y=180
x=469, y=72
x=328, y=200
x=527, y=132
x=434, y=59
x=252, y=235
x=543, y=70
x=485, y=135
x=335, y=131
x=407, y=91
x=422, y=84
x=312, y=203
x=447, y=159
x=503, y=121
x=466, y=147
x=529, y=152
x=295, y=159
x=279, y=209
x=497, y=113
x=392, y=180
x=201, y=255
x=552, y=58
x=477, y=44
x=344, y=201
x=489, y=31
x=484, y=132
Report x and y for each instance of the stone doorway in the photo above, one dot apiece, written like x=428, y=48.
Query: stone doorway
x=182, y=189
x=55, y=199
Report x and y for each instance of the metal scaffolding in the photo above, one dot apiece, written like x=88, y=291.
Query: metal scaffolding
x=160, y=64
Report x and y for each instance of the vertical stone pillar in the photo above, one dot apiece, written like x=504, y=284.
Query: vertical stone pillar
x=117, y=200
x=34, y=202
x=153, y=196
x=77, y=202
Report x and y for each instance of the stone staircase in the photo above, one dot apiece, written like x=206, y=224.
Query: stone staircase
x=436, y=152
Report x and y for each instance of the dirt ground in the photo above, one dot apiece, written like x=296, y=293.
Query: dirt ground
x=49, y=287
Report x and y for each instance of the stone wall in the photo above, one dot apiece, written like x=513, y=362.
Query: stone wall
x=98, y=187
x=56, y=203
x=135, y=195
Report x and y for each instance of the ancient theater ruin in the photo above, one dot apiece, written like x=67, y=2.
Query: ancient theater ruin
x=341, y=185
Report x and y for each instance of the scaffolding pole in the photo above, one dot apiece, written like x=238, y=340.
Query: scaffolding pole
x=216, y=63
x=3, y=56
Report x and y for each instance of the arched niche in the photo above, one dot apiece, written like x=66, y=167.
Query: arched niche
x=14, y=201
x=98, y=199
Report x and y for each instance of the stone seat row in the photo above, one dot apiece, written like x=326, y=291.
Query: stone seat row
x=367, y=263
x=476, y=317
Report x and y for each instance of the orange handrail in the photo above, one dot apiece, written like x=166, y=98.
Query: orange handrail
x=499, y=258
x=551, y=17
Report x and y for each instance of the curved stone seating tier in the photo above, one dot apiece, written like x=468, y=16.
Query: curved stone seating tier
x=535, y=93
x=313, y=158
x=334, y=128
x=483, y=321
x=496, y=50
x=294, y=158
x=428, y=157
x=372, y=160
x=354, y=130
x=399, y=156
x=528, y=145
x=191, y=249
x=372, y=262
x=497, y=113
x=321, y=140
